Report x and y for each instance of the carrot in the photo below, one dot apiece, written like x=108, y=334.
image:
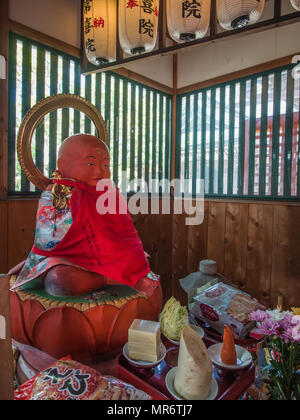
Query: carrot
x=228, y=352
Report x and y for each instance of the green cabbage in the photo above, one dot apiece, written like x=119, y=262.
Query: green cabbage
x=173, y=319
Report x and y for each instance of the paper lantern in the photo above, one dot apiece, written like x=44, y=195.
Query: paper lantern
x=296, y=4
x=188, y=20
x=99, y=29
x=235, y=14
x=138, y=25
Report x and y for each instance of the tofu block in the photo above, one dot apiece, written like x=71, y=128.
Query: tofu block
x=144, y=340
x=145, y=357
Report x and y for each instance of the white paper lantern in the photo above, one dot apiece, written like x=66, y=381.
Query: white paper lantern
x=235, y=14
x=296, y=4
x=188, y=20
x=138, y=25
x=99, y=29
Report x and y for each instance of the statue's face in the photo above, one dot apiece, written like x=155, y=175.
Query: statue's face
x=86, y=159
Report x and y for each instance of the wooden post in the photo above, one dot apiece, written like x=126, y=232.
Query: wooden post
x=4, y=17
x=6, y=357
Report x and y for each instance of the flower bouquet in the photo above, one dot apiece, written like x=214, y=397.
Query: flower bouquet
x=281, y=332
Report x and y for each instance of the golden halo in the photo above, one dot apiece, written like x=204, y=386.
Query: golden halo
x=35, y=115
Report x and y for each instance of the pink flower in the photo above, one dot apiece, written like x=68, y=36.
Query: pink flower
x=259, y=316
x=268, y=328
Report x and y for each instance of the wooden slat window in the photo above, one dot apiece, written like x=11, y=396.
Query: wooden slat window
x=138, y=117
x=242, y=137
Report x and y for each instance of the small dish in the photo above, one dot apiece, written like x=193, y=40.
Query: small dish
x=244, y=358
x=170, y=378
x=198, y=330
x=141, y=363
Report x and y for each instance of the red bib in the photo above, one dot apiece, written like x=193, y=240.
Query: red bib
x=107, y=244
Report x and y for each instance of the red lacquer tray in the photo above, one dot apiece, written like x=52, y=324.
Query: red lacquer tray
x=232, y=386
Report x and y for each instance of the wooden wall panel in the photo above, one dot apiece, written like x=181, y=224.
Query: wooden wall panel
x=286, y=256
x=21, y=228
x=256, y=245
x=179, y=256
x=216, y=233
x=259, y=252
x=197, y=243
x=3, y=237
x=235, y=252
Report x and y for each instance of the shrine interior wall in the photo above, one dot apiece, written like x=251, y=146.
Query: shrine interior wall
x=256, y=244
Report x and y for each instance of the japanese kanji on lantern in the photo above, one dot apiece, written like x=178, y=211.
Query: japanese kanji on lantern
x=296, y=4
x=188, y=20
x=138, y=25
x=235, y=14
x=99, y=28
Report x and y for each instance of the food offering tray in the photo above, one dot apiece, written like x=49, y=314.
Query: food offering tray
x=232, y=386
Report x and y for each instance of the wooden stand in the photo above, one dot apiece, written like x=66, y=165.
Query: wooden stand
x=6, y=357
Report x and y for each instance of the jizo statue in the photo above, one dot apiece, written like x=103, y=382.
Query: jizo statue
x=76, y=249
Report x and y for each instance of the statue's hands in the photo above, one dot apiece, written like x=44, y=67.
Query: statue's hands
x=148, y=284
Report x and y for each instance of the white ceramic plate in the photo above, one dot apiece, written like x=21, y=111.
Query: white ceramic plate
x=244, y=358
x=142, y=363
x=170, y=378
x=198, y=330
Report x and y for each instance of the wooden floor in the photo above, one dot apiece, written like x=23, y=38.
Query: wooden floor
x=256, y=245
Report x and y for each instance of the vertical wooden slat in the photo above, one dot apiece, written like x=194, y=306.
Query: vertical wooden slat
x=12, y=96
x=168, y=138
x=140, y=139
x=175, y=157
x=289, y=129
x=26, y=95
x=263, y=136
x=179, y=107
x=40, y=94
x=221, y=140
x=108, y=116
x=259, y=251
x=125, y=126
x=53, y=115
x=98, y=91
x=212, y=145
x=161, y=138
x=116, y=131
x=242, y=137
x=132, y=131
x=187, y=138
x=276, y=133
x=147, y=139
x=203, y=134
x=195, y=144
x=231, y=139
x=88, y=97
x=66, y=89
x=154, y=139
x=77, y=90
x=252, y=136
